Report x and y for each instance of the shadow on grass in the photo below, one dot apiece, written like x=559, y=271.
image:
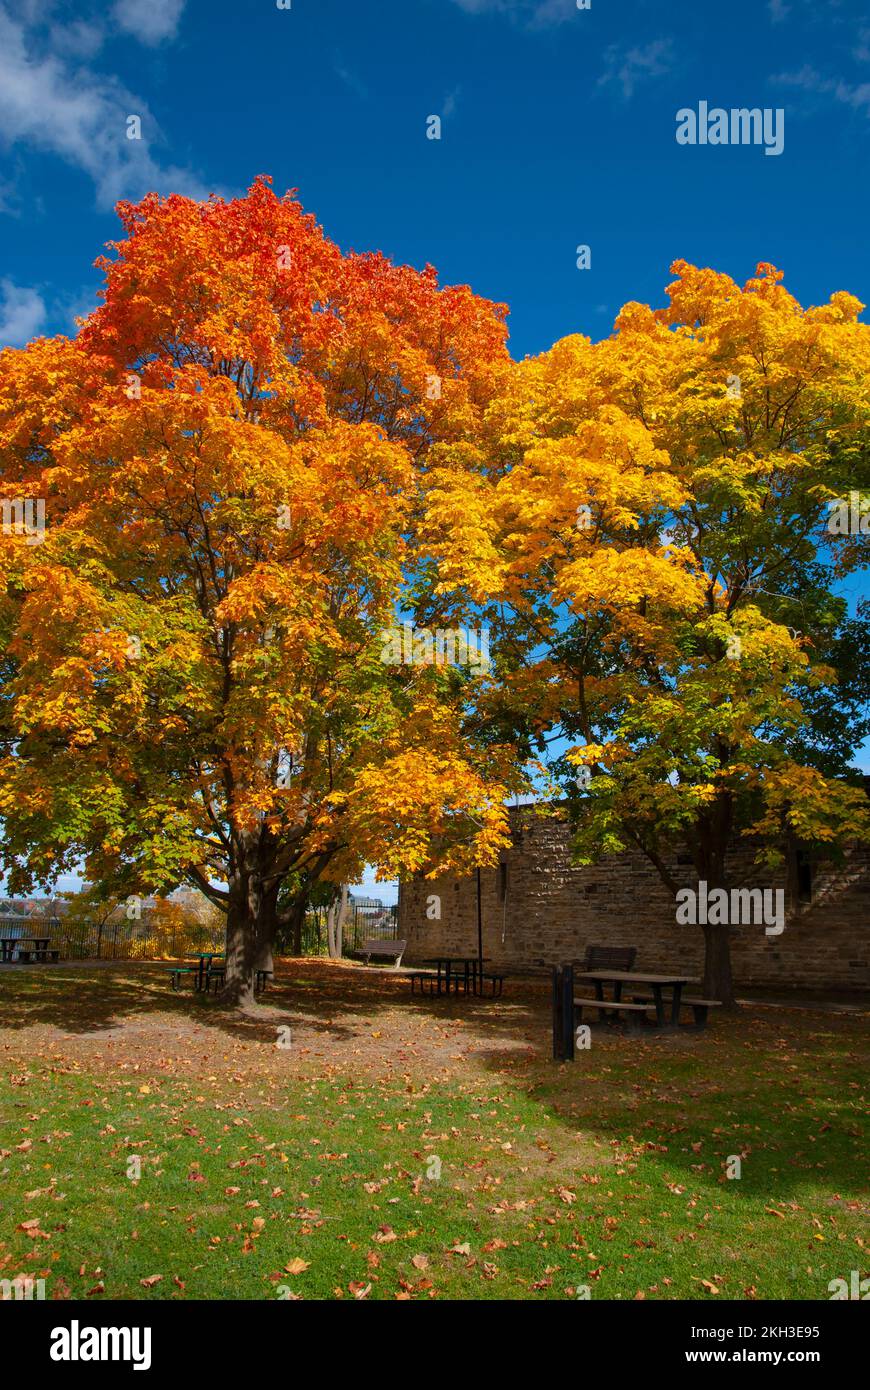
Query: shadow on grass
x=778, y=1088
x=97, y=998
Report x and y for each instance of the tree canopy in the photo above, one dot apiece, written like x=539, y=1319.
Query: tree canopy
x=652, y=533
x=231, y=452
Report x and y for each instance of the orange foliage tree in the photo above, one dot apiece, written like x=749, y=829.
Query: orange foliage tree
x=231, y=453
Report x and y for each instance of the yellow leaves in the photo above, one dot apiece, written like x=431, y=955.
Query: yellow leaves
x=460, y=525
x=814, y=807
x=619, y=579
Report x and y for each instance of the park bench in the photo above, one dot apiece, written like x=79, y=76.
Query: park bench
x=634, y=1012
x=608, y=958
x=177, y=971
x=430, y=982
x=31, y=950
x=420, y=977
x=218, y=973
x=699, y=1007
x=496, y=983
x=391, y=950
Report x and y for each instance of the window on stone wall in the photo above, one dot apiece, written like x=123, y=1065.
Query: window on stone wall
x=502, y=882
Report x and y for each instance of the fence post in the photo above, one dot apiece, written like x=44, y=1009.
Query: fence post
x=557, y=1013
x=568, y=1011
x=563, y=1013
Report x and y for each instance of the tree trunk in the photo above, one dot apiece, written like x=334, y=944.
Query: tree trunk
x=718, y=983
x=714, y=828
x=335, y=920
x=251, y=925
x=267, y=930
x=241, y=944
x=298, y=916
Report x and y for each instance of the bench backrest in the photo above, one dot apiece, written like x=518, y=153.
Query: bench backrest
x=609, y=957
x=387, y=948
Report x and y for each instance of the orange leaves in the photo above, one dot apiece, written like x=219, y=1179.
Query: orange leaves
x=234, y=453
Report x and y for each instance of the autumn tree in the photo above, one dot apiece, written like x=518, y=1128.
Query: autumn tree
x=650, y=527
x=231, y=453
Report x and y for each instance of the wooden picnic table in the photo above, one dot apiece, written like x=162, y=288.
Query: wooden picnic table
x=8, y=944
x=468, y=963
x=656, y=983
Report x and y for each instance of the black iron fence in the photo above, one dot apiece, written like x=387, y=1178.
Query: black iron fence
x=120, y=940
x=362, y=924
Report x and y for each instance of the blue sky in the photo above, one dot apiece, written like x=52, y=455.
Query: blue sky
x=558, y=129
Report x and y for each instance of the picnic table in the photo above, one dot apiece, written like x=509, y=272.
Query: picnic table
x=40, y=950
x=648, y=989
x=468, y=964
x=656, y=983
x=205, y=959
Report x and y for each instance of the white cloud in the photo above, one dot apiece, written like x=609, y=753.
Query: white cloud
x=80, y=39
x=149, y=21
x=80, y=116
x=350, y=79
x=22, y=314
x=629, y=66
x=853, y=94
x=535, y=13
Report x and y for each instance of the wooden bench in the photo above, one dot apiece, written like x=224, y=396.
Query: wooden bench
x=608, y=1007
x=218, y=973
x=699, y=1007
x=496, y=982
x=608, y=958
x=419, y=977
x=391, y=950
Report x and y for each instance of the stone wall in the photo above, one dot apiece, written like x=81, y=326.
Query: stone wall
x=538, y=910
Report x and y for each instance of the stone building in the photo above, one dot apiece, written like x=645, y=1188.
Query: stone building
x=538, y=909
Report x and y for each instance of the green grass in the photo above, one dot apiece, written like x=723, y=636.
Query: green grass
x=608, y=1173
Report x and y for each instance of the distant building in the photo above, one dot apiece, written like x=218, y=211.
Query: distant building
x=369, y=907
x=27, y=909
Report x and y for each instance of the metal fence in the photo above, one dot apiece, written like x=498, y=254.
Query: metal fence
x=121, y=940
x=361, y=925
x=132, y=940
